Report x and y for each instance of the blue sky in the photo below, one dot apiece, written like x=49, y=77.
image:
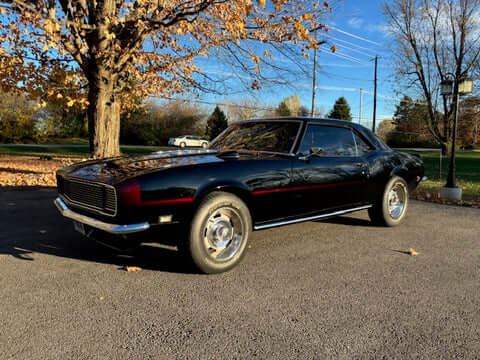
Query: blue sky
x=357, y=29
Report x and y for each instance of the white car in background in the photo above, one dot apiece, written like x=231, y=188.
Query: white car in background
x=188, y=140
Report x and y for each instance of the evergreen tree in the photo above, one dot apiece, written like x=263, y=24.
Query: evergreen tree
x=410, y=115
x=283, y=109
x=341, y=110
x=216, y=123
x=403, y=110
x=303, y=111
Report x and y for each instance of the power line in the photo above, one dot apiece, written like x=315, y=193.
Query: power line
x=350, y=43
x=355, y=36
x=354, y=50
x=340, y=55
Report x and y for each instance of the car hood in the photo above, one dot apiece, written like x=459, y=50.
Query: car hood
x=115, y=170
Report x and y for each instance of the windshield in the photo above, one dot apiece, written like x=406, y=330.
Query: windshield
x=271, y=136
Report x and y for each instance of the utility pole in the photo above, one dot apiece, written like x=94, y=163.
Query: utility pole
x=360, y=114
x=314, y=84
x=375, y=96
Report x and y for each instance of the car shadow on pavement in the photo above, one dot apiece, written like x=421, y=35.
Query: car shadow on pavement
x=32, y=225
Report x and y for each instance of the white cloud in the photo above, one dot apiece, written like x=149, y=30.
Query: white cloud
x=355, y=23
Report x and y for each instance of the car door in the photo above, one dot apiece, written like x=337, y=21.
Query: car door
x=328, y=172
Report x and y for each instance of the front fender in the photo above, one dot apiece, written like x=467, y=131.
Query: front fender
x=235, y=187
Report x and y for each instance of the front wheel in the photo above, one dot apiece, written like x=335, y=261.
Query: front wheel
x=391, y=208
x=219, y=233
x=182, y=145
x=204, y=145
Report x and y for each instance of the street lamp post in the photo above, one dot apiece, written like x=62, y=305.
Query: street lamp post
x=455, y=87
x=475, y=134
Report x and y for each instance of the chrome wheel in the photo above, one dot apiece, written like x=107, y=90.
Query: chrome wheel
x=223, y=233
x=396, y=200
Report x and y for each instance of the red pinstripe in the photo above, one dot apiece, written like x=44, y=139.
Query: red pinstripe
x=310, y=187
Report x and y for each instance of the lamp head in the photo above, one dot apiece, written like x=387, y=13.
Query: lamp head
x=446, y=87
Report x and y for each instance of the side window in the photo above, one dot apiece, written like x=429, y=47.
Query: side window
x=334, y=141
x=362, y=146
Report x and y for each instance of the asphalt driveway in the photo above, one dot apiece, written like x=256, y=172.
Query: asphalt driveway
x=338, y=289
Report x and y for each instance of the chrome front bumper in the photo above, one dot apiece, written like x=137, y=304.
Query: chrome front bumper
x=110, y=228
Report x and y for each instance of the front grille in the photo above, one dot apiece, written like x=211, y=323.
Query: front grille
x=92, y=196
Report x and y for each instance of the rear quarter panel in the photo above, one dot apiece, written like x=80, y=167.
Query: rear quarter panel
x=383, y=165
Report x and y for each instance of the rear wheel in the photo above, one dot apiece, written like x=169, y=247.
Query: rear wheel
x=219, y=233
x=391, y=208
x=204, y=145
x=182, y=145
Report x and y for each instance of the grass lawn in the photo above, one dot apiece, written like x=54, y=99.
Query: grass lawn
x=71, y=150
x=66, y=141
x=467, y=170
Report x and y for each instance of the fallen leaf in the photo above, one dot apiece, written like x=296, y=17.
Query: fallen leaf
x=132, y=268
x=43, y=232
x=412, y=252
x=101, y=298
x=11, y=204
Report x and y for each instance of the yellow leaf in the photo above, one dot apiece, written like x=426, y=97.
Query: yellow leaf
x=59, y=96
x=45, y=47
x=262, y=3
x=412, y=252
x=2, y=11
x=333, y=48
x=70, y=103
x=43, y=104
x=132, y=268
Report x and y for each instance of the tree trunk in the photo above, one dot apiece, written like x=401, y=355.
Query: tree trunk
x=103, y=121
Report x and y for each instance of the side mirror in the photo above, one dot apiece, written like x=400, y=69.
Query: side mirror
x=314, y=151
x=317, y=151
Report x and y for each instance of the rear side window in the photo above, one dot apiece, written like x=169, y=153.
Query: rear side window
x=362, y=146
x=334, y=141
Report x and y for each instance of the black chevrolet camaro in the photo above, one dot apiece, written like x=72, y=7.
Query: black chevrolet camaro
x=257, y=174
